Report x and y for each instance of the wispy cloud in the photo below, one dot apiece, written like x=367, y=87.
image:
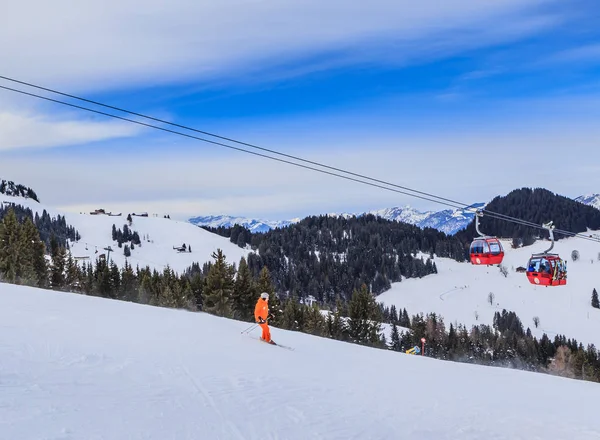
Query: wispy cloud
x=471, y=167
x=26, y=130
x=112, y=44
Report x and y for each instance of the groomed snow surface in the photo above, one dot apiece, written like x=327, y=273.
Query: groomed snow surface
x=77, y=367
x=459, y=292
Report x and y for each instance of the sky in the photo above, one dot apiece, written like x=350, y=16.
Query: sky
x=466, y=100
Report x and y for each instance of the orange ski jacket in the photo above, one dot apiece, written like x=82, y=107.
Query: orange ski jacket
x=261, y=310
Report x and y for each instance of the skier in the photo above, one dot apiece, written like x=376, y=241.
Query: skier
x=261, y=314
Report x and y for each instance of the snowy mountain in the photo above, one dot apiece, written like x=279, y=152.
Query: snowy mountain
x=160, y=238
x=448, y=221
x=227, y=221
x=590, y=199
x=82, y=367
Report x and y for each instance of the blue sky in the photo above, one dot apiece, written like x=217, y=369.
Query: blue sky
x=415, y=94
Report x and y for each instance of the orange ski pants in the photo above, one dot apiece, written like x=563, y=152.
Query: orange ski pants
x=266, y=333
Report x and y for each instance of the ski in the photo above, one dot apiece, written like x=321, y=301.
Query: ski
x=270, y=343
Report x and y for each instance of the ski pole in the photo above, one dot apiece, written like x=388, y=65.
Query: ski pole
x=250, y=328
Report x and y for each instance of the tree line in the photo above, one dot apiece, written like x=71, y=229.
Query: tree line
x=326, y=256
x=46, y=225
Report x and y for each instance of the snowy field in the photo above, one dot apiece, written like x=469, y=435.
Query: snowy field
x=76, y=367
x=459, y=292
x=164, y=234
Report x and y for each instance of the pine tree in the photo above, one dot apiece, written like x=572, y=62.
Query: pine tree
x=395, y=345
x=57, y=271
x=244, y=294
x=9, y=247
x=364, y=323
x=127, y=251
x=216, y=297
x=314, y=321
x=595, y=302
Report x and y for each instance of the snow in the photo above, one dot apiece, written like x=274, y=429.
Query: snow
x=449, y=221
x=77, y=367
x=590, y=199
x=164, y=234
x=460, y=291
x=228, y=221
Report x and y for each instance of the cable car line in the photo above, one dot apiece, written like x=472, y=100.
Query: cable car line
x=462, y=205
x=220, y=144
x=429, y=197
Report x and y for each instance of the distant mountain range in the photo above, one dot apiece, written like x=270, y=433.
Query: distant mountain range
x=228, y=221
x=448, y=221
x=590, y=199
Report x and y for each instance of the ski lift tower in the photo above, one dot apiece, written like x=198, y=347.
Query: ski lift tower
x=109, y=250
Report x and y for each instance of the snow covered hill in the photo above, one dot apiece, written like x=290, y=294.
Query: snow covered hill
x=228, y=221
x=159, y=237
x=77, y=367
x=459, y=292
x=590, y=199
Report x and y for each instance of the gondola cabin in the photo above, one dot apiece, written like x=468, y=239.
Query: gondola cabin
x=547, y=270
x=486, y=250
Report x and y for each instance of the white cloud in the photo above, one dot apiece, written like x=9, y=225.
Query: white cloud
x=30, y=130
x=468, y=168
x=96, y=46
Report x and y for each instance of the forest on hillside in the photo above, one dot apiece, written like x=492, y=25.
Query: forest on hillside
x=10, y=188
x=326, y=256
x=537, y=206
x=46, y=225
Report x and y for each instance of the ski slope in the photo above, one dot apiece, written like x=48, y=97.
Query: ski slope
x=459, y=292
x=77, y=367
x=164, y=234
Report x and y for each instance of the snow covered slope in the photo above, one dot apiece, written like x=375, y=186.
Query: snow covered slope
x=163, y=234
x=459, y=292
x=590, y=199
x=77, y=367
x=228, y=221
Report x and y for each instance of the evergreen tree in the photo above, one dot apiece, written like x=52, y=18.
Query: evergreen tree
x=10, y=248
x=217, y=293
x=244, y=294
x=595, y=302
x=127, y=251
x=314, y=323
x=57, y=271
x=395, y=338
x=364, y=325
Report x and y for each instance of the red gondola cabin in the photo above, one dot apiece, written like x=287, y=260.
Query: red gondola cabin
x=486, y=250
x=547, y=270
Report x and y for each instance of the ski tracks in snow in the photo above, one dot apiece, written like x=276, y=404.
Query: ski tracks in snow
x=204, y=395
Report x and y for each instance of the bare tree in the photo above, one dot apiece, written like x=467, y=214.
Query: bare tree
x=503, y=270
x=476, y=316
x=536, y=321
x=491, y=298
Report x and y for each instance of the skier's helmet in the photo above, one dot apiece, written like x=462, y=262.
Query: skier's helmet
x=264, y=295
